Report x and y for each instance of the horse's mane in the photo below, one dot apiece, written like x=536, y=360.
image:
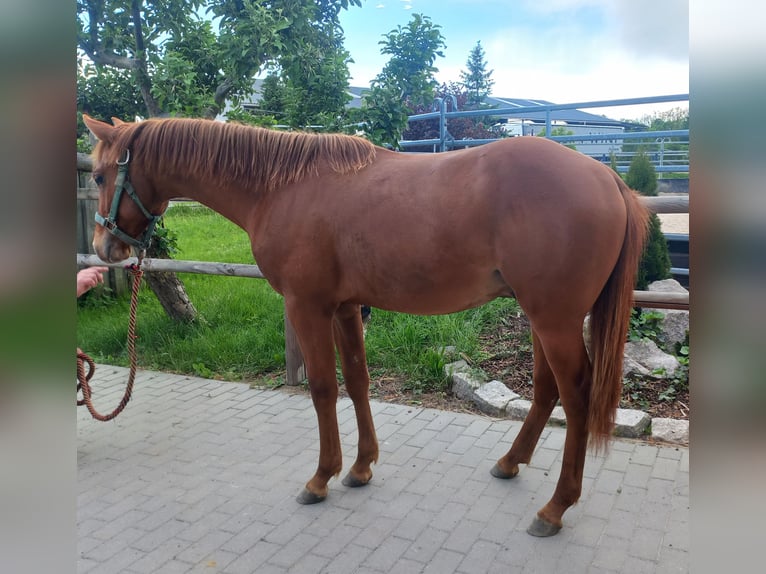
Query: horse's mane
x=257, y=157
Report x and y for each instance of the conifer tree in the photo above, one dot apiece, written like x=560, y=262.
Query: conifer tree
x=655, y=262
x=476, y=79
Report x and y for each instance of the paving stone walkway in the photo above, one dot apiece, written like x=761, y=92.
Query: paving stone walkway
x=200, y=476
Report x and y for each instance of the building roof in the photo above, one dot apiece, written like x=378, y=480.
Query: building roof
x=568, y=116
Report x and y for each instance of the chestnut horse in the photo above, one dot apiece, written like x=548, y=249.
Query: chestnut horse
x=335, y=222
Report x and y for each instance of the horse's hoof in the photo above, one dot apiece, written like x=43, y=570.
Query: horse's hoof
x=308, y=497
x=498, y=472
x=542, y=528
x=353, y=482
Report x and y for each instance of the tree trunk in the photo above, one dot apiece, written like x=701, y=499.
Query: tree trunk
x=169, y=289
x=142, y=77
x=172, y=295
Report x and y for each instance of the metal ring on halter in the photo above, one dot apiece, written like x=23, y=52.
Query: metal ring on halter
x=127, y=158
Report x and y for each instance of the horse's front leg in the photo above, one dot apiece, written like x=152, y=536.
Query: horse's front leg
x=313, y=328
x=349, y=338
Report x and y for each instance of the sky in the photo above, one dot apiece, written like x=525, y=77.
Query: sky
x=562, y=51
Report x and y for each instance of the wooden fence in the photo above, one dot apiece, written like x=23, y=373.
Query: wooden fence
x=118, y=280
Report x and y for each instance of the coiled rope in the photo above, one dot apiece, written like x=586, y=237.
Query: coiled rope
x=83, y=377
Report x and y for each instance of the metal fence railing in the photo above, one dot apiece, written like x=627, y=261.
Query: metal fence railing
x=668, y=150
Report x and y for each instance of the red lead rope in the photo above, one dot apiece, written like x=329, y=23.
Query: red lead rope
x=83, y=377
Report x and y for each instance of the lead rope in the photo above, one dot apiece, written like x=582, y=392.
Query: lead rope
x=83, y=378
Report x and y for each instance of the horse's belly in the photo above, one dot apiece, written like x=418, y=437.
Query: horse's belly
x=438, y=295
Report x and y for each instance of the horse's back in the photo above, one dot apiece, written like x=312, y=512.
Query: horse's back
x=443, y=232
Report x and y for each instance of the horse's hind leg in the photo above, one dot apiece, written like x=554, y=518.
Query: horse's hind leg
x=566, y=355
x=545, y=396
x=349, y=338
x=314, y=330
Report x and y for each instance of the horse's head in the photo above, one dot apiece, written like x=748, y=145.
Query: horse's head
x=128, y=208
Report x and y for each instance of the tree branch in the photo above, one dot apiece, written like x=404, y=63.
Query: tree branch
x=142, y=76
x=110, y=59
x=221, y=92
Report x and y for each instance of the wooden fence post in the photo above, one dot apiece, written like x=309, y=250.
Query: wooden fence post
x=296, y=370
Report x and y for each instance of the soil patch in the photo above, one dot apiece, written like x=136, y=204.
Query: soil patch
x=508, y=358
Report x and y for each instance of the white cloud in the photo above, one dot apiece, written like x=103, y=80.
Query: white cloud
x=653, y=28
x=575, y=51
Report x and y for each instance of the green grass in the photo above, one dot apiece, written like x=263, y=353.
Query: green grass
x=240, y=334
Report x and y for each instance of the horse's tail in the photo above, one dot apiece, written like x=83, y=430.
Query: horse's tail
x=609, y=322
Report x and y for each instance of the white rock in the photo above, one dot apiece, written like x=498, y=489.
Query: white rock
x=464, y=383
x=493, y=397
x=647, y=354
x=518, y=409
x=631, y=423
x=671, y=430
x=666, y=286
x=675, y=323
x=558, y=417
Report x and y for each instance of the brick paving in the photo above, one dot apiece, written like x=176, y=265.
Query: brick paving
x=200, y=476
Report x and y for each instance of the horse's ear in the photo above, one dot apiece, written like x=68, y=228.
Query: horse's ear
x=103, y=131
x=117, y=121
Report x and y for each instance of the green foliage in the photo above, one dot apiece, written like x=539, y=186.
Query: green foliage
x=405, y=82
x=316, y=78
x=655, y=262
x=674, y=119
x=106, y=92
x=645, y=324
x=476, y=79
x=185, y=79
x=164, y=240
x=641, y=174
x=560, y=131
x=181, y=62
x=383, y=115
x=242, y=116
x=476, y=127
x=83, y=142
x=413, y=50
x=273, y=100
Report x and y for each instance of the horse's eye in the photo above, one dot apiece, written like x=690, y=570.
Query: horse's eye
x=99, y=179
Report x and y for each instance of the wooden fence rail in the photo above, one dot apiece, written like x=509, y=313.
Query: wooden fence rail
x=295, y=370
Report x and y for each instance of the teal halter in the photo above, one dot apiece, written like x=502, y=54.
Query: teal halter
x=110, y=223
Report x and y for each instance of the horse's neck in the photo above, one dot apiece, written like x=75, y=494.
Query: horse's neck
x=231, y=201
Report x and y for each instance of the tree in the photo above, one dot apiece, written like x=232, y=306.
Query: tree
x=413, y=51
x=316, y=77
x=655, y=262
x=458, y=128
x=407, y=79
x=182, y=63
x=273, y=100
x=641, y=175
x=476, y=79
x=105, y=92
x=560, y=131
x=673, y=119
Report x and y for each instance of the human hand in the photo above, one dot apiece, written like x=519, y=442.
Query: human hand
x=89, y=278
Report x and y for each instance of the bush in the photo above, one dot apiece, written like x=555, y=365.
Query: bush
x=641, y=175
x=655, y=262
